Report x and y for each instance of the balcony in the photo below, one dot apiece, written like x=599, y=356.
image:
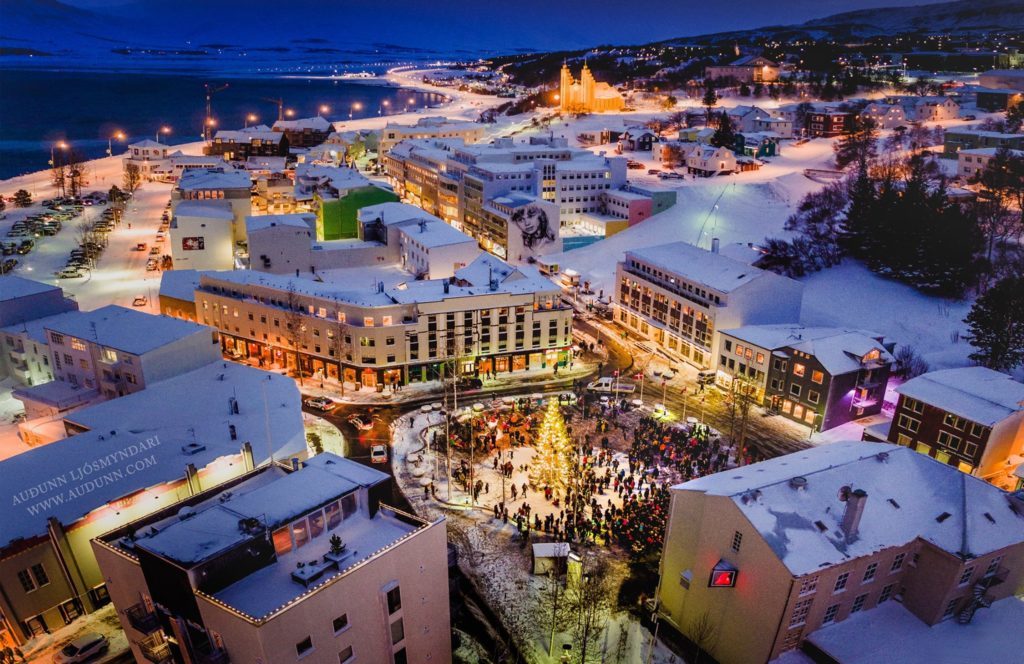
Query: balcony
x=142, y=619
x=157, y=651
x=865, y=401
x=996, y=578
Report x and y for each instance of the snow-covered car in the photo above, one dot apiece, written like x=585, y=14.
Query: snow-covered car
x=319, y=403
x=82, y=649
x=378, y=454
x=361, y=422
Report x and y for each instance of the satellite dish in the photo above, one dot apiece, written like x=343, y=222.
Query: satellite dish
x=844, y=492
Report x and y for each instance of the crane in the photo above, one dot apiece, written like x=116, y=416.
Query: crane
x=210, y=91
x=280, y=106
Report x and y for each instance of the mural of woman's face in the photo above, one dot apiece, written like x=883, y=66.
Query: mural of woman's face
x=533, y=223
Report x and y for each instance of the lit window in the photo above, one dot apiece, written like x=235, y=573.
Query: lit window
x=799, y=369
x=817, y=377
x=368, y=321
x=386, y=320
x=77, y=344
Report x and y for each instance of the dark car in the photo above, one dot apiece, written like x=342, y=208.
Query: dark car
x=470, y=383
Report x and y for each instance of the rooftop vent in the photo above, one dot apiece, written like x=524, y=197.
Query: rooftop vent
x=942, y=517
x=186, y=512
x=882, y=456
x=855, y=502
x=192, y=448
x=893, y=503
x=798, y=482
x=821, y=526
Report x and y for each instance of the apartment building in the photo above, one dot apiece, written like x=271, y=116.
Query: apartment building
x=335, y=196
x=771, y=555
x=202, y=235
x=110, y=352
x=114, y=462
x=829, y=123
x=818, y=376
x=178, y=294
x=22, y=302
x=504, y=189
x=240, y=144
x=217, y=184
x=972, y=162
x=885, y=115
x=394, y=133
x=957, y=140
x=489, y=316
x=680, y=296
x=249, y=572
x=747, y=69
x=304, y=132
x=970, y=418
x=148, y=156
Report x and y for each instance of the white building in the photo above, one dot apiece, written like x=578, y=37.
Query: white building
x=149, y=156
x=971, y=162
x=22, y=302
x=221, y=184
x=681, y=296
x=709, y=161
x=110, y=352
x=394, y=133
x=249, y=573
x=177, y=162
x=202, y=235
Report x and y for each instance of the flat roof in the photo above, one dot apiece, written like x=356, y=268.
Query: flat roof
x=125, y=329
x=160, y=422
x=12, y=287
x=719, y=272
x=203, y=178
x=306, y=220
x=211, y=209
x=179, y=284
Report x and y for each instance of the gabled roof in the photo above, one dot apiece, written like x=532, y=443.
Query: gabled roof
x=315, y=124
x=909, y=496
x=125, y=329
x=214, y=178
x=978, y=394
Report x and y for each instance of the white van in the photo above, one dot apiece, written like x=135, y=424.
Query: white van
x=607, y=385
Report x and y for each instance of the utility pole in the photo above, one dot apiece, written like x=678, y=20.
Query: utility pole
x=208, y=124
x=280, y=106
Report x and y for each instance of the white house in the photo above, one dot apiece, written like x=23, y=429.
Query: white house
x=147, y=155
x=201, y=235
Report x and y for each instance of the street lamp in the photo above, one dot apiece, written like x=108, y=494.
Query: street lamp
x=165, y=130
x=384, y=104
x=252, y=117
x=289, y=112
x=60, y=145
x=118, y=135
x=324, y=110
x=356, y=106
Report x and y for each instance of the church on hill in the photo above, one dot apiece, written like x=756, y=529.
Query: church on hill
x=587, y=95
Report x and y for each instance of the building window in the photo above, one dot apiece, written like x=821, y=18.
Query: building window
x=886, y=593
x=27, y=584
x=346, y=656
x=841, y=582
x=909, y=423
x=808, y=585
x=817, y=377
x=401, y=657
x=993, y=566
x=341, y=623
x=57, y=339
x=869, y=573
x=800, y=611
x=304, y=646
x=951, y=607
x=397, y=632
x=795, y=389
x=830, y=614
x=737, y=539
x=394, y=600
x=813, y=396
x=858, y=603
x=897, y=562
x=77, y=344
x=799, y=369
x=965, y=578
x=913, y=405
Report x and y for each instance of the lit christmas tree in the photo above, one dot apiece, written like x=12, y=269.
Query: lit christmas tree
x=551, y=463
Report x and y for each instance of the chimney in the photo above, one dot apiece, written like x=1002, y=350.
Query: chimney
x=446, y=283
x=854, y=511
x=714, y=245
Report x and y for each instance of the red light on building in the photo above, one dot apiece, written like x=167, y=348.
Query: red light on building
x=723, y=575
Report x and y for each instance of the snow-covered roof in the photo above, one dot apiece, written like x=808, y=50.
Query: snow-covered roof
x=190, y=408
x=716, y=271
x=126, y=329
x=215, y=528
x=147, y=143
x=908, y=495
x=207, y=209
x=56, y=393
x=551, y=550
x=219, y=178
x=246, y=136
x=839, y=350
x=300, y=220
x=36, y=329
x=978, y=394
x=891, y=633
x=392, y=212
x=315, y=124
x=12, y=287
x=434, y=233
x=179, y=284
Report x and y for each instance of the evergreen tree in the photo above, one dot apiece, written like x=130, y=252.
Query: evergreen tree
x=860, y=235
x=860, y=144
x=744, y=90
x=1015, y=117
x=996, y=324
x=709, y=101
x=22, y=198
x=725, y=134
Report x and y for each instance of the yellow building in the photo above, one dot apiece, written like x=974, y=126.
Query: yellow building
x=587, y=95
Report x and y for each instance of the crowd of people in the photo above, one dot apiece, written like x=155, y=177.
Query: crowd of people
x=691, y=450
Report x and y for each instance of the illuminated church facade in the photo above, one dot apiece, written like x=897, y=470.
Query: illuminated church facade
x=587, y=95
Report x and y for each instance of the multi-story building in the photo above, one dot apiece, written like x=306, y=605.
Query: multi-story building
x=217, y=184
x=149, y=156
x=765, y=556
x=747, y=69
x=970, y=418
x=178, y=294
x=957, y=140
x=394, y=133
x=202, y=235
x=335, y=195
x=304, y=132
x=112, y=463
x=822, y=377
x=286, y=563
x=23, y=301
x=971, y=163
x=240, y=144
x=885, y=115
x=829, y=123
x=680, y=296
x=489, y=316
x=587, y=95
x=108, y=353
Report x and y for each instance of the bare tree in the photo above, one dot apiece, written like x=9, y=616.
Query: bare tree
x=704, y=633
x=339, y=349
x=131, y=178
x=552, y=606
x=741, y=398
x=295, y=327
x=59, y=174
x=590, y=597
x=77, y=172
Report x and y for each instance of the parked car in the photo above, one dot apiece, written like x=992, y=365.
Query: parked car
x=70, y=273
x=469, y=383
x=9, y=265
x=634, y=164
x=320, y=403
x=141, y=246
x=969, y=117
x=152, y=265
x=26, y=246
x=361, y=422
x=140, y=301
x=82, y=649
x=154, y=251
x=378, y=454
x=653, y=171
x=160, y=237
